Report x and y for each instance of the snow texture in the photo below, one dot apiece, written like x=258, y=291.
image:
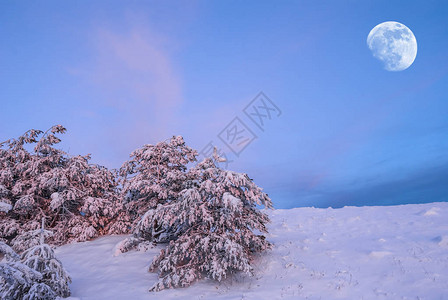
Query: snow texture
x=391, y=252
x=5, y=207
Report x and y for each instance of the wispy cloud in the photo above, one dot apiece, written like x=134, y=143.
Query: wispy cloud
x=137, y=63
x=138, y=92
x=136, y=73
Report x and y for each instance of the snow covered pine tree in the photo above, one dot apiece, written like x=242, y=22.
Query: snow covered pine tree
x=39, y=274
x=211, y=224
x=156, y=174
x=80, y=200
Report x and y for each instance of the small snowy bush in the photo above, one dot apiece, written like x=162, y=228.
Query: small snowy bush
x=42, y=259
x=37, y=274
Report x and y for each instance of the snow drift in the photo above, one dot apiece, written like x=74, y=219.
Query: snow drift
x=389, y=252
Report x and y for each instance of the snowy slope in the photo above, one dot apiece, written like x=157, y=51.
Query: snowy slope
x=389, y=252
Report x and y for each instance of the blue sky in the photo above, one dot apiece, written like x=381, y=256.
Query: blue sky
x=122, y=74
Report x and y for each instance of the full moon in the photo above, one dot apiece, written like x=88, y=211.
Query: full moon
x=393, y=44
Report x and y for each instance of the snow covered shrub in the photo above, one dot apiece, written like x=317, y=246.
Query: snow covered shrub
x=210, y=227
x=216, y=218
x=18, y=281
x=78, y=199
x=38, y=274
x=155, y=174
x=42, y=259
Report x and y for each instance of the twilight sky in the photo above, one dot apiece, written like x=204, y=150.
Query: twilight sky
x=343, y=131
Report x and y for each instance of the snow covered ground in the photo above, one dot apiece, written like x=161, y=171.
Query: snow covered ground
x=389, y=252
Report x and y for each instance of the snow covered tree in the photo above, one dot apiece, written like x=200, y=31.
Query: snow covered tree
x=39, y=276
x=212, y=227
x=79, y=200
x=216, y=218
x=155, y=174
x=18, y=281
x=42, y=259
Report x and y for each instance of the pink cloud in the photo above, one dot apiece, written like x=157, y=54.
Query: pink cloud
x=138, y=64
x=137, y=91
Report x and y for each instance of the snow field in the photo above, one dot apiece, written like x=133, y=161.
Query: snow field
x=388, y=252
